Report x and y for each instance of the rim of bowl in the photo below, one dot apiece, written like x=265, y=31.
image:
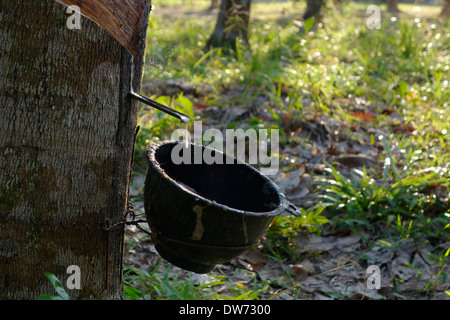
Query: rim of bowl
x=151, y=155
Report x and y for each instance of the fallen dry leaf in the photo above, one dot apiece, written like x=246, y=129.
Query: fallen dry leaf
x=299, y=272
x=256, y=259
x=363, y=115
x=356, y=161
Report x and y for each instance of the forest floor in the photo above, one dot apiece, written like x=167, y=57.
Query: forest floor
x=409, y=269
x=330, y=264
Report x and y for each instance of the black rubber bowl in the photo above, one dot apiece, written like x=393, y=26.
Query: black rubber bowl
x=206, y=214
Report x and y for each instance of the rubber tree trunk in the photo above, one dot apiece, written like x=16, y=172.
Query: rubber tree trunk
x=67, y=132
x=393, y=6
x=446, y=9
x=214, y=4
x=313, y=9
x=232, y=24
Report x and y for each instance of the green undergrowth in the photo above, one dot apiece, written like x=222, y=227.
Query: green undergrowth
x=338, y=69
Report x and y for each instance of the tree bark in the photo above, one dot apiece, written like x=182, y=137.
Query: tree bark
x=446, y=9
x=313, y=9
x=214, y=4
x=393, y=6
x=232, y=24
x=67, y=131
x=122, y=19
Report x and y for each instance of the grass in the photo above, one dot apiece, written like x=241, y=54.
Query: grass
x=160, y=284
x=140, y=284
x=330, y=70
x=397, y=196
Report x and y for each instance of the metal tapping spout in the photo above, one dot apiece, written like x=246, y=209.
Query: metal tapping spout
x=152, y=103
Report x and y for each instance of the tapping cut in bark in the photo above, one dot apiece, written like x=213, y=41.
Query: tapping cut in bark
x=123, y=19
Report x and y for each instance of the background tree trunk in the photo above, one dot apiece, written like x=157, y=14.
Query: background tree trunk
x=393, y=6
x=313, y=8
x=214, y=4
x=232, y=23
x=446, y=9
x=66, y=142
